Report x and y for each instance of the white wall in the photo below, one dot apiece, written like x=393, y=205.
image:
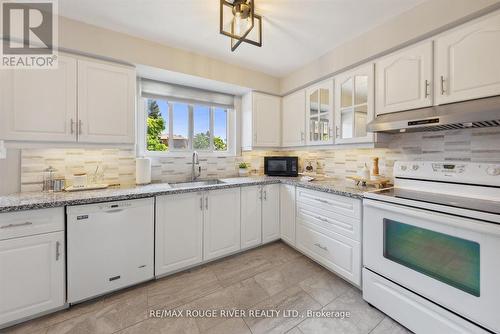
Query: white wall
x=85, y=38
x=423, y=20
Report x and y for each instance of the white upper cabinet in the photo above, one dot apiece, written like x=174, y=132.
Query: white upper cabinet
x=404, y=79
x=293, y=132
x=179, y=232
x=222, y=223
x=39, y=105
x=82, y=100
x=106, y=103
x=261, y=121
x=468, y=61
x=319, y=113
x=354, y=95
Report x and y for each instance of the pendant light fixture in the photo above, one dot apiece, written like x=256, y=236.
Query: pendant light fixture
x=239, y=21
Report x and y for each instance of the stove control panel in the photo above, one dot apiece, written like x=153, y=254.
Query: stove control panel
x=455, y=172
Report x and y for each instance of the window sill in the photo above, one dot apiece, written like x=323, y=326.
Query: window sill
x=201, y=154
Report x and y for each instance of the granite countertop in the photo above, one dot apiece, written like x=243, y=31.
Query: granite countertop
x=39, y=200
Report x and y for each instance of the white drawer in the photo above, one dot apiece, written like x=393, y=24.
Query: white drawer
x=350, y=207
x=416, y=313
x=347, y=226
x=340, y=254
x=30, y=222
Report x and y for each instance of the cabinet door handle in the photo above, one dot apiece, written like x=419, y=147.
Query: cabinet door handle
x=265, y=195
x=80, y=127
x=58, y=252
x=427, y=88
x=321, y=247
x=337, y=132
x=442, y=85
x=206, y=203
x=16, y=225
x=260, y=192
x=201, y=203
x=72, y=126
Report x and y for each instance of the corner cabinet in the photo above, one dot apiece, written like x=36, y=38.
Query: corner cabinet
x=261, y=119
x=287, y=213
x=319, y=113
x=404, y=79
x=467, y=61
x=83, y=100
x=293, y=114
x=354, y=96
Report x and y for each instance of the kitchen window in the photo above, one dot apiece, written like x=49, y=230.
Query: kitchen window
x=194, y=120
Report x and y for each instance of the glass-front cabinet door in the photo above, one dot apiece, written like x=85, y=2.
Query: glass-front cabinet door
x=319, y=114
x=354, y=105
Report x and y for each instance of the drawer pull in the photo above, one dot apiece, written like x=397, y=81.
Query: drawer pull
x=321, y=200
x=17, y=225
x=321, y=247
x=322, y=219
x=58, y=252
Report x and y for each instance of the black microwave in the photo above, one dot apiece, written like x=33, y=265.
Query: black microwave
x=281, y=166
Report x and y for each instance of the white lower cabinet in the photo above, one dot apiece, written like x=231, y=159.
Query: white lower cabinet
x=222, y=223
x=179, y=232
x=270, y=213
x=251, y=216
x=287, y=213
x=328, y=230
x=32, y=267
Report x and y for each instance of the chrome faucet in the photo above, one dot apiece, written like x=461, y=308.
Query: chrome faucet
x=195, y=161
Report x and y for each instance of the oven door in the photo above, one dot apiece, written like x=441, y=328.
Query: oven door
x=450, y=260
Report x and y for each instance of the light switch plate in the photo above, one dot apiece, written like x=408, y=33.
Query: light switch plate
x=3, y=150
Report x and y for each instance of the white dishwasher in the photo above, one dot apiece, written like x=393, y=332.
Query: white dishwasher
x=109, y=246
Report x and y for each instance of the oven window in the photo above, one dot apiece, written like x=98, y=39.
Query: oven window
x=276, y=165
x=449, y=259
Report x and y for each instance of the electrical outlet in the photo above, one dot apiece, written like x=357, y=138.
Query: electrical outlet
x=3, y=150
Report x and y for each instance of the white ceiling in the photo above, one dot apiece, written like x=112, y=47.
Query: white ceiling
x=295, y=32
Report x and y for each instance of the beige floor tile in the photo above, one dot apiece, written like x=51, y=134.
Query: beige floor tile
x=36, y=325
x=362, y=320
x=294, y=330
x=325, y=287
x=180, y=289
x=108, y=319
x=240, y=267
x=287, y=275
x=163, y=326
x=293, y=298
x=389, y=326
x=247, y=293
x=230, y=326
x=219, y=300
x=277, y=253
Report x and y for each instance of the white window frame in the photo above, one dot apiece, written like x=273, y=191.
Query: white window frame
x=142, y=129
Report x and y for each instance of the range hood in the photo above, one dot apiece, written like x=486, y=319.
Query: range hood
x=461, y=115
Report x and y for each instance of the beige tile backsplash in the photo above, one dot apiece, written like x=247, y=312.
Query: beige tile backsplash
x=118, y=165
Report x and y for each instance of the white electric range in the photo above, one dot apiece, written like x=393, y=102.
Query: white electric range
x=431, y=247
